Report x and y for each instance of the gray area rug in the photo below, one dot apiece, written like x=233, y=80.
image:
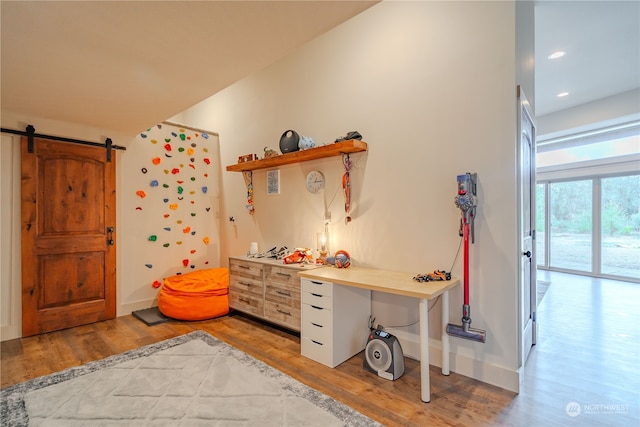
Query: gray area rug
x=192, y=380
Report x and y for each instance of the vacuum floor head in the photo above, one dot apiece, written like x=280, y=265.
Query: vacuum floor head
x=469, y=334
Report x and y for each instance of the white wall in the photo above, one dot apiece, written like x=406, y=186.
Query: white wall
x=432, y=88
x=134, y=250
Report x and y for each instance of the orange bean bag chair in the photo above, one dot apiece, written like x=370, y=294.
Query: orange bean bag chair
x=199, y=295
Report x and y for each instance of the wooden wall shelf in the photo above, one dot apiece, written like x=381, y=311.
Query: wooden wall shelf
x=350, y=146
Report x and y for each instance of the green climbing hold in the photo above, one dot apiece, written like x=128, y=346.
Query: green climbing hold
x=153, y=238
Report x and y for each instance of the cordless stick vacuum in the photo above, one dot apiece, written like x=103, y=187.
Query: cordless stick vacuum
x=466, y=201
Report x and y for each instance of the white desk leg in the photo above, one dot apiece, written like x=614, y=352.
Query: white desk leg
x=445, y=336
x=425, y=392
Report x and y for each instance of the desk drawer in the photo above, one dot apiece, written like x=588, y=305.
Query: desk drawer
x=246, y=303
x=283, y=294
x=317, y=287
x=316, y=314
x=317, y=332
x=316, y=300
x=246, y=268
x=317, y=351
x=283, y=314
x=246, y=285
x=283, y=275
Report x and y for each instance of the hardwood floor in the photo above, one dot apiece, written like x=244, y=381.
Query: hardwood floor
x=587, y=359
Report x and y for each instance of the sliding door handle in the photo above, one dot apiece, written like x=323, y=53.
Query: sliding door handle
x=110, y=240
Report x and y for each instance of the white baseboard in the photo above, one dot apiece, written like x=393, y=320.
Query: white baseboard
x=125, y=309
x=461, y=364
x=10, y=332
x=485, y=372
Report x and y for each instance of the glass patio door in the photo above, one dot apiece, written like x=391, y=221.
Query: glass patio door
x=620, y=230
x=570, y=225
x=590, y=226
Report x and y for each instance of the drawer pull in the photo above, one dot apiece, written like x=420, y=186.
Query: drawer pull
x=315, y=283
x=244, y=283
x=244, y=300
x=319, y=343
x=246, y=267
x=287, y=294
x=283, y=274
x=316, y=295
x=315, y=324
x=288, y=313
x=316, y=307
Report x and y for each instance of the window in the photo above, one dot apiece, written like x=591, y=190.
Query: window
x=541, y=226
x=588, y=203
x=620, y=230
x=596, y=151
x=600, y=144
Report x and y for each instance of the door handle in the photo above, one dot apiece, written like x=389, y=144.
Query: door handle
x=110, y=240
x=527, y=254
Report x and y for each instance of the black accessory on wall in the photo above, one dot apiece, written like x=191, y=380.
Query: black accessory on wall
x=289, y=141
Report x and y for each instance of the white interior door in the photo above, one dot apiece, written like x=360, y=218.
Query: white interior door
x=526, y=153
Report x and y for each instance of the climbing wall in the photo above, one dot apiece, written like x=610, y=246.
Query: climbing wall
x=171, y=205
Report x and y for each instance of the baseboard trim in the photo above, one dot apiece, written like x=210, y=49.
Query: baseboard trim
x=129, y=308
x=461, y=364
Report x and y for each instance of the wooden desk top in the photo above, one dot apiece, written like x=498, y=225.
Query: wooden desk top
x=391, y=282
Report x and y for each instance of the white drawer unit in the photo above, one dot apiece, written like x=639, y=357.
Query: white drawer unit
x=328, y=332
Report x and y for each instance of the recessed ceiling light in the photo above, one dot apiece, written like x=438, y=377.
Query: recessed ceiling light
x=557, y=54
x=562, y=94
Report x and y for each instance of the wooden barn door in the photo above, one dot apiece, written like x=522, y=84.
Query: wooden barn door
x=68, y=236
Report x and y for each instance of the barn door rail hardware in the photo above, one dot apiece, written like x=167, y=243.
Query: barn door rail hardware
x=30, y=133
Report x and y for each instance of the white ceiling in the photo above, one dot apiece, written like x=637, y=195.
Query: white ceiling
x=602, y=41
x=129, y=65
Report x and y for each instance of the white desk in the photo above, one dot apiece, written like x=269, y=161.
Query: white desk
x=392, y=282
